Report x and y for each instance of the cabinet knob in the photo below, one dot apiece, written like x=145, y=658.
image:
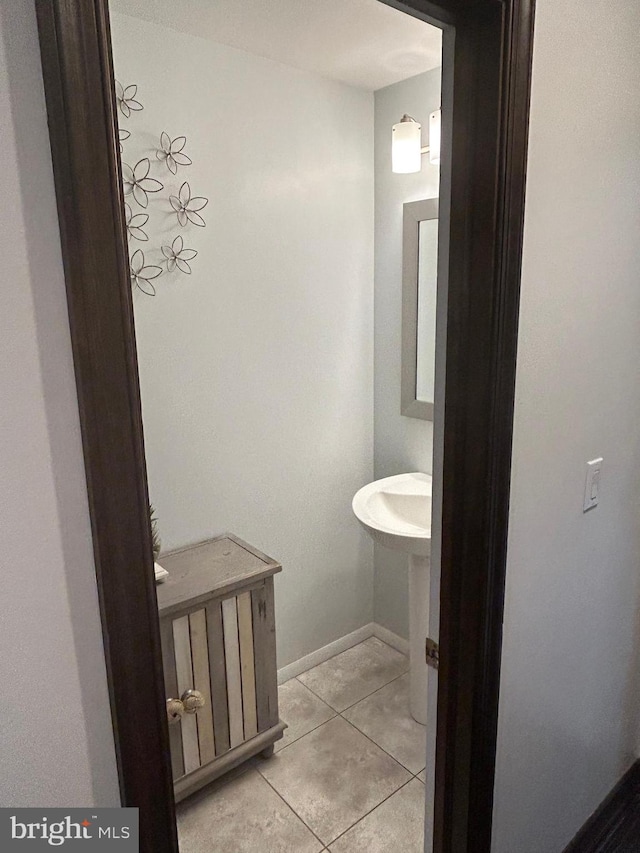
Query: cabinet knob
x=192, y=700
x=175, y=710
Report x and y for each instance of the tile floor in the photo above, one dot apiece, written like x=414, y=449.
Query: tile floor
x=347, y=777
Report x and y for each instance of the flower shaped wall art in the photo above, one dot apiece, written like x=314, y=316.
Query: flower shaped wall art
x=152, y=206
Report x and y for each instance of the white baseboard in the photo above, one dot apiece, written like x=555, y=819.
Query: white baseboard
x=391, y=639
x=326, y=652
x=341, y=645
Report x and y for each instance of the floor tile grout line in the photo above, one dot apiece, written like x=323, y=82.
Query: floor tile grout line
x=322, y=662
x=364, y=734
x=348, y=708
x=313, y=693
x=314, y=729
x=360, y=819
x=381, y=748
x=291, y=808
x=377, y=690
x=412, y=776
x=386, y=684
x=344, y=651
x=336, y=713
x=353, y=726
x=337, y=654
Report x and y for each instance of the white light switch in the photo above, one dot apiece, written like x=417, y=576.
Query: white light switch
x=592, y=484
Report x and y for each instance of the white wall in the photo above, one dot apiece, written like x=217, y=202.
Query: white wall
x=401, y=444
x=569, y=706
x=257, y=370
x=55, y=739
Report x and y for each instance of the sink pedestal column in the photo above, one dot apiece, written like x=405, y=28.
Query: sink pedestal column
x=419, y=571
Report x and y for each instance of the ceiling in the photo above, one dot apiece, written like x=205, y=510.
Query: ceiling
x=362, y=43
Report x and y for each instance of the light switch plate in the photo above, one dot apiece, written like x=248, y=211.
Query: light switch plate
x=592, y=484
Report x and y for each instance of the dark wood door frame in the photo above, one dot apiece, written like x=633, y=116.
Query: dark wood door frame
x=493, y=52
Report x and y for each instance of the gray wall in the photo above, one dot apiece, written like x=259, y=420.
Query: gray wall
x=400, y=444
x=569, y=706
x=257, y=369
x=55, y=741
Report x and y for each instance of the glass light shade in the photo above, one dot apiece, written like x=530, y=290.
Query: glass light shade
x=435, y=135
x=405, y=147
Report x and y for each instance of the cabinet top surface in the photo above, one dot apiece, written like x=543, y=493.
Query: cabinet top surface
x=209, y=568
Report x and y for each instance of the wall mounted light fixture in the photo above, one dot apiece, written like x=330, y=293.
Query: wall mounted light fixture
x=406, y=144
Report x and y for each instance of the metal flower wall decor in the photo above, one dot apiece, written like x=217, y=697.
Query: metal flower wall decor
x=145, y=200
x=187, y=206
x=138, y=182
x=126, y=98
x=178, y=256
x=171, y=152
x=135, y=223
x=143, y=273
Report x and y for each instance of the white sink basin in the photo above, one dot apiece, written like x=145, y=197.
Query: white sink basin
x=396, y=511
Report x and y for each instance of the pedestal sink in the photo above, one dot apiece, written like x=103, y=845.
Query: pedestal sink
x=396, y=512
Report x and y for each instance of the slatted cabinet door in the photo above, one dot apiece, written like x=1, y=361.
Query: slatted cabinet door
x=184, y=673
x=217, y=665
x=171, y=689
x=247, y=666
x=214, y=651
x=202, y=683
x=232, y=658
x=223, y=646
x=264, y=644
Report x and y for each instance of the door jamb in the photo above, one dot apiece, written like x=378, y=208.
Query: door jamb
x=493, y=48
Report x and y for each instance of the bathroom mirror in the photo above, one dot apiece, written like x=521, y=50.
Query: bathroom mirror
x=419, y=292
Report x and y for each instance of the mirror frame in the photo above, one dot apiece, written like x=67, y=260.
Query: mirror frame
x=413, y=213
x=493, y=47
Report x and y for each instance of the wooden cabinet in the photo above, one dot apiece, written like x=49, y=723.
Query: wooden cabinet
x=219, y=658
